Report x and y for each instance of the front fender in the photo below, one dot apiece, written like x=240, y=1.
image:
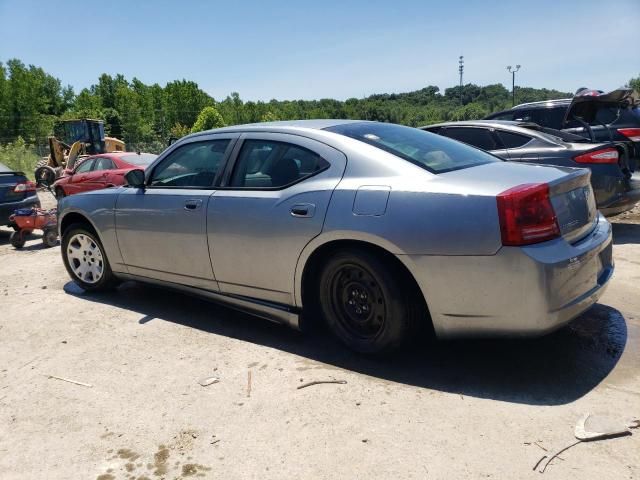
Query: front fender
x=98, y=208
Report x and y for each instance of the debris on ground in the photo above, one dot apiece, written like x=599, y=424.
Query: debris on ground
x=319, y=382
x=205, y=382
x=592, y=428
x=75, y=382
x=249, y=383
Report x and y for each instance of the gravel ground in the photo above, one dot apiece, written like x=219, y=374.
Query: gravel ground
x=464, y=409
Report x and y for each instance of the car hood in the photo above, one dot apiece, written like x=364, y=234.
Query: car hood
x=584, y=103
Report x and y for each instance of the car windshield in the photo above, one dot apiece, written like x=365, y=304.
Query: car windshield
x=139, y=159
x=430, y=151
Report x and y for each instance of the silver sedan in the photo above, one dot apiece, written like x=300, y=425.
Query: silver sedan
x=378, y=229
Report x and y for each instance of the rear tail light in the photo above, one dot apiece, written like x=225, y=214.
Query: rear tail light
x=631, y=133
x=27, y=186
x=526, y=215
x=606, y=155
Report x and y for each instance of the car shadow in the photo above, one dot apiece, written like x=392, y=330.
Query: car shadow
x=555, y=369
x=624, y=233
x=5, y=235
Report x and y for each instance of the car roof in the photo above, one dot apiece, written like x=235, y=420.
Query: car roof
x=544, y=104
x=280, y=126
x=482, y=123
x=121, y=154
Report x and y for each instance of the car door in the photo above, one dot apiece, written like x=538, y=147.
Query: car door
x=99, y=175
x=162, y=228
x=272, y=202
x=480, y=137
x=77, y=180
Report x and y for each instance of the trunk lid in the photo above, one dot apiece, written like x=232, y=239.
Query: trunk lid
x=585, y=103
x=570, y=190
x=574, y=203
x=8, y=181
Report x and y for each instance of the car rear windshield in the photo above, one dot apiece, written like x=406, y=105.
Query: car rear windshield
x=141, y=159
x=558, y=134
x=4, y=168
x=432, y=152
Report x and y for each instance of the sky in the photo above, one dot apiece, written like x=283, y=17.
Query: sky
x=326, y=49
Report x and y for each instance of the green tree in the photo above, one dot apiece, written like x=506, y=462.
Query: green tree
x=635, y=83
x=209, y=118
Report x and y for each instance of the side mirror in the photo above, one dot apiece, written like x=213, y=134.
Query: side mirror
x=135, y=178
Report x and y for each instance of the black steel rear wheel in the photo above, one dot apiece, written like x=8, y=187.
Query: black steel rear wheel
x=363, y=301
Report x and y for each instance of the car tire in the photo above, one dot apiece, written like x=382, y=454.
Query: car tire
x=85, y=259
x=50, y=237
x=17, y=239
x=365, y=302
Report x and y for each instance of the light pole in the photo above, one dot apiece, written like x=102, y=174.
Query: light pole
x=513, y=83
x=461, y=71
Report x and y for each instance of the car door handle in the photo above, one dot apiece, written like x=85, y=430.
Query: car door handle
x=303, y=210
x=192, y=204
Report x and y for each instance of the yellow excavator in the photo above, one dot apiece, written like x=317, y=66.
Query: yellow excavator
x=74, y=140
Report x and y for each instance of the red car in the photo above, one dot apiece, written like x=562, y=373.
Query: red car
x=100, y=171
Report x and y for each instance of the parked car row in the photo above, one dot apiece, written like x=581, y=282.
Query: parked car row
x=592, y=130
x=518, y=141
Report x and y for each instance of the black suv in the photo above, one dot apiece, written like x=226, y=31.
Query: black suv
x=600, y=117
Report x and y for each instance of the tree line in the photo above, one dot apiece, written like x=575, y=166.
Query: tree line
x=147, y=116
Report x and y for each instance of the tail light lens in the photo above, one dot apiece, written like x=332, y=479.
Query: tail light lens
x=631, y=133
x=27, y=186
x=526, y=215
x=606, y=155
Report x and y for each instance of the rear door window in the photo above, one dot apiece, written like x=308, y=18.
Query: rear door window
x=102, y=163
x=477, y=137
x=271, y=165
x=512, y=140
x=547, y=117
x=502, y=116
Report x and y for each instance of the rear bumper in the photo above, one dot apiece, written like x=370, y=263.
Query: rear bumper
x=626, y=200
x=7, y=209
x=518, y=291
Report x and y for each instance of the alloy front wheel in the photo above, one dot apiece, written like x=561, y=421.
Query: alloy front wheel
x=85, y=259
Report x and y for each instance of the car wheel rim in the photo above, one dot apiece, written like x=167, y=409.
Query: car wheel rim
x=358, y=302
x=85, y=258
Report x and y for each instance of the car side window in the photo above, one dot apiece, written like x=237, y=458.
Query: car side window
x=503, y=116
x=102, y=163
x=191, y=165
x=271, y=164
x=476, y=137
x=85, y=166
x=512, y=140
x=547, y=117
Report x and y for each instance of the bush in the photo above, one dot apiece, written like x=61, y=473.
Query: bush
x=209, y=118
x=19, y=156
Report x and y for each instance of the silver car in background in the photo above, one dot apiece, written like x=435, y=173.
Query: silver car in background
x=378, y=228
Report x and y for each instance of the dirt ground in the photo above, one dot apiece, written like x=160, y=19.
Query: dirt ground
x=464, y=409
